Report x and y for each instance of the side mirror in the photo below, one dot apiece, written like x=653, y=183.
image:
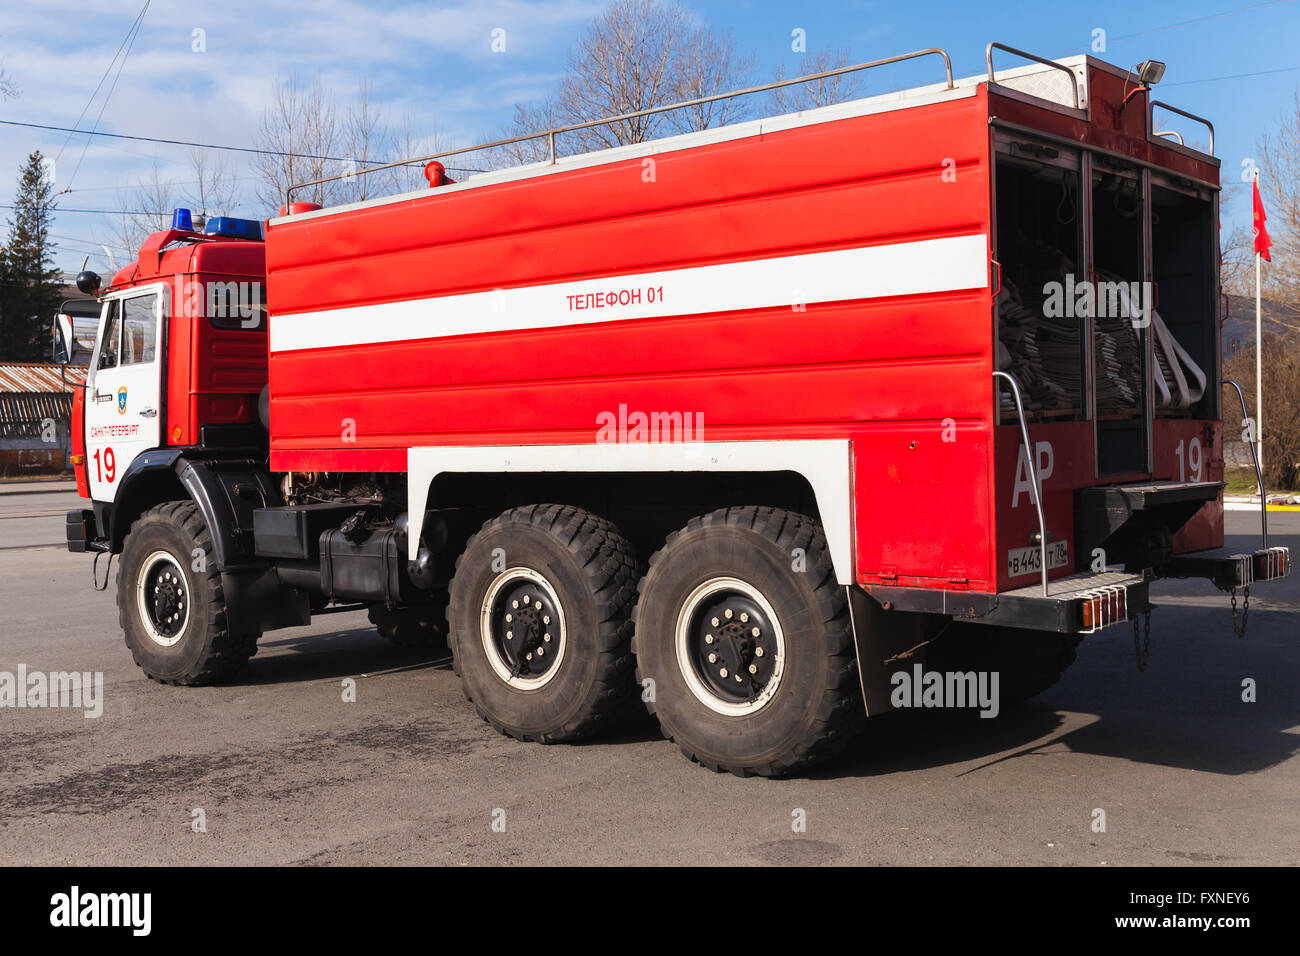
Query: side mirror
x=63, y=344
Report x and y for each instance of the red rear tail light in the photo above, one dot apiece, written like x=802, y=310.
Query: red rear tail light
x=1270, y=564
x=1106, y=608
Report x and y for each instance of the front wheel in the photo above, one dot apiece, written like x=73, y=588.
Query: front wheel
x=171, y=603
x=745, y=634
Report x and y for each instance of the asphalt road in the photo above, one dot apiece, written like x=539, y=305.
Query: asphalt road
x=285, y=771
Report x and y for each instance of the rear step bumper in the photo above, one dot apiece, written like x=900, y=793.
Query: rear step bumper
x=1231, y=570
x=1085, y=602
x=1077, y=604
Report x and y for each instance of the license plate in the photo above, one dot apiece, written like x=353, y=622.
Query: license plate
x=1022, y=561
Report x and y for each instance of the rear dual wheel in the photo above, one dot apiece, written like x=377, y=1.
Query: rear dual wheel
x=744, y=648
x=745, y=635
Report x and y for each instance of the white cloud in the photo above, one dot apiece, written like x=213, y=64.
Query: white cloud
x=434, y=64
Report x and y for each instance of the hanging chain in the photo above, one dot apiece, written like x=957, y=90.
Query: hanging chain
x=1142, y=641
x=1240, y=626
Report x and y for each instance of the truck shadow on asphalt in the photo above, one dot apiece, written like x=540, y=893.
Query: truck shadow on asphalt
x=352, y=652
x=1186, y=711
x=337, y=654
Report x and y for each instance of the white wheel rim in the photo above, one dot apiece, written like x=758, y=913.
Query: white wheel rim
x=683, y=648
x=557, y=646
x=146, y=585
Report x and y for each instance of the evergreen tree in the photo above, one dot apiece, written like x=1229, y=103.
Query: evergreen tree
x=29, y=287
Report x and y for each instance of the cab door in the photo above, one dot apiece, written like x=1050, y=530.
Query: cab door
x=124, y=391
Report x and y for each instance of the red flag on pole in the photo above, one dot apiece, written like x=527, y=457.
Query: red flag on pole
x=1262, y=241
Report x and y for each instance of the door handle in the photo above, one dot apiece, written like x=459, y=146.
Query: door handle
x=149, y=413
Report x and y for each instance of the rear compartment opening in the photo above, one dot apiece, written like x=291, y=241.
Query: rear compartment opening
x=1183, y=268
x=1038, y=240
x=1119, y=342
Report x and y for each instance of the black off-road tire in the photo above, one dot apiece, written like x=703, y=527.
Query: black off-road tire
x=816, y=707
x=591, y=571
x=1027, y=662
x=205, y=649
x=422, y=625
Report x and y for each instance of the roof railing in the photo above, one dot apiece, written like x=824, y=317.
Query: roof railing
x=1151, y=111
x=988, y=60
x=550, y=134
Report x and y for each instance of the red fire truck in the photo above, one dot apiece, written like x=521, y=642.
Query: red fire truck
x=730, y=425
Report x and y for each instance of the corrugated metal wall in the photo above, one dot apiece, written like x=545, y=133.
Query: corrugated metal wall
x=35, y=418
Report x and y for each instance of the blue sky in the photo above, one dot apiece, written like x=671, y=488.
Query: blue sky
x=434, y=63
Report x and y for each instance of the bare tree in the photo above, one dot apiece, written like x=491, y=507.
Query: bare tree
x=530, y=118
x=1279, y=180
x=8, y=89
x=1278, y=154
x=308, y=135
x=816, y=93
x=144, y=210
x=1281, y=429
x=214, y=191
x=299, y=131
x=637, y=54
x=708, y=64
x=1237, y=262
x=362, y=137
x=404, y=142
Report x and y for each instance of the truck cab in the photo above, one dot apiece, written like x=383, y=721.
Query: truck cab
x=179, y=360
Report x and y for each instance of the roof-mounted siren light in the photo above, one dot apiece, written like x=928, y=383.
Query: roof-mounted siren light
x=436, y=174
x=292, y=209
x=182, y=221
x=236, y=228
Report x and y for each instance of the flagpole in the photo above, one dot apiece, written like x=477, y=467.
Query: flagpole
x=1259, y=364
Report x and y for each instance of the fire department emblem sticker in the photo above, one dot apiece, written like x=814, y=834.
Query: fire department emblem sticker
x=121, y=400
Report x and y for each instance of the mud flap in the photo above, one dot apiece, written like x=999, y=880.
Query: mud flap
x=257, y=601
x=882, y=639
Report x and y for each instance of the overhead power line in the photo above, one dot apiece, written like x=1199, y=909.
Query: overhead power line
x=130, y=42
x=108, y=69
x=1195, y=20
x=181, y=142
x=233, y=149
x=1184, y=23
x=1232, y=76
x=97, y=212
x=138, y=186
